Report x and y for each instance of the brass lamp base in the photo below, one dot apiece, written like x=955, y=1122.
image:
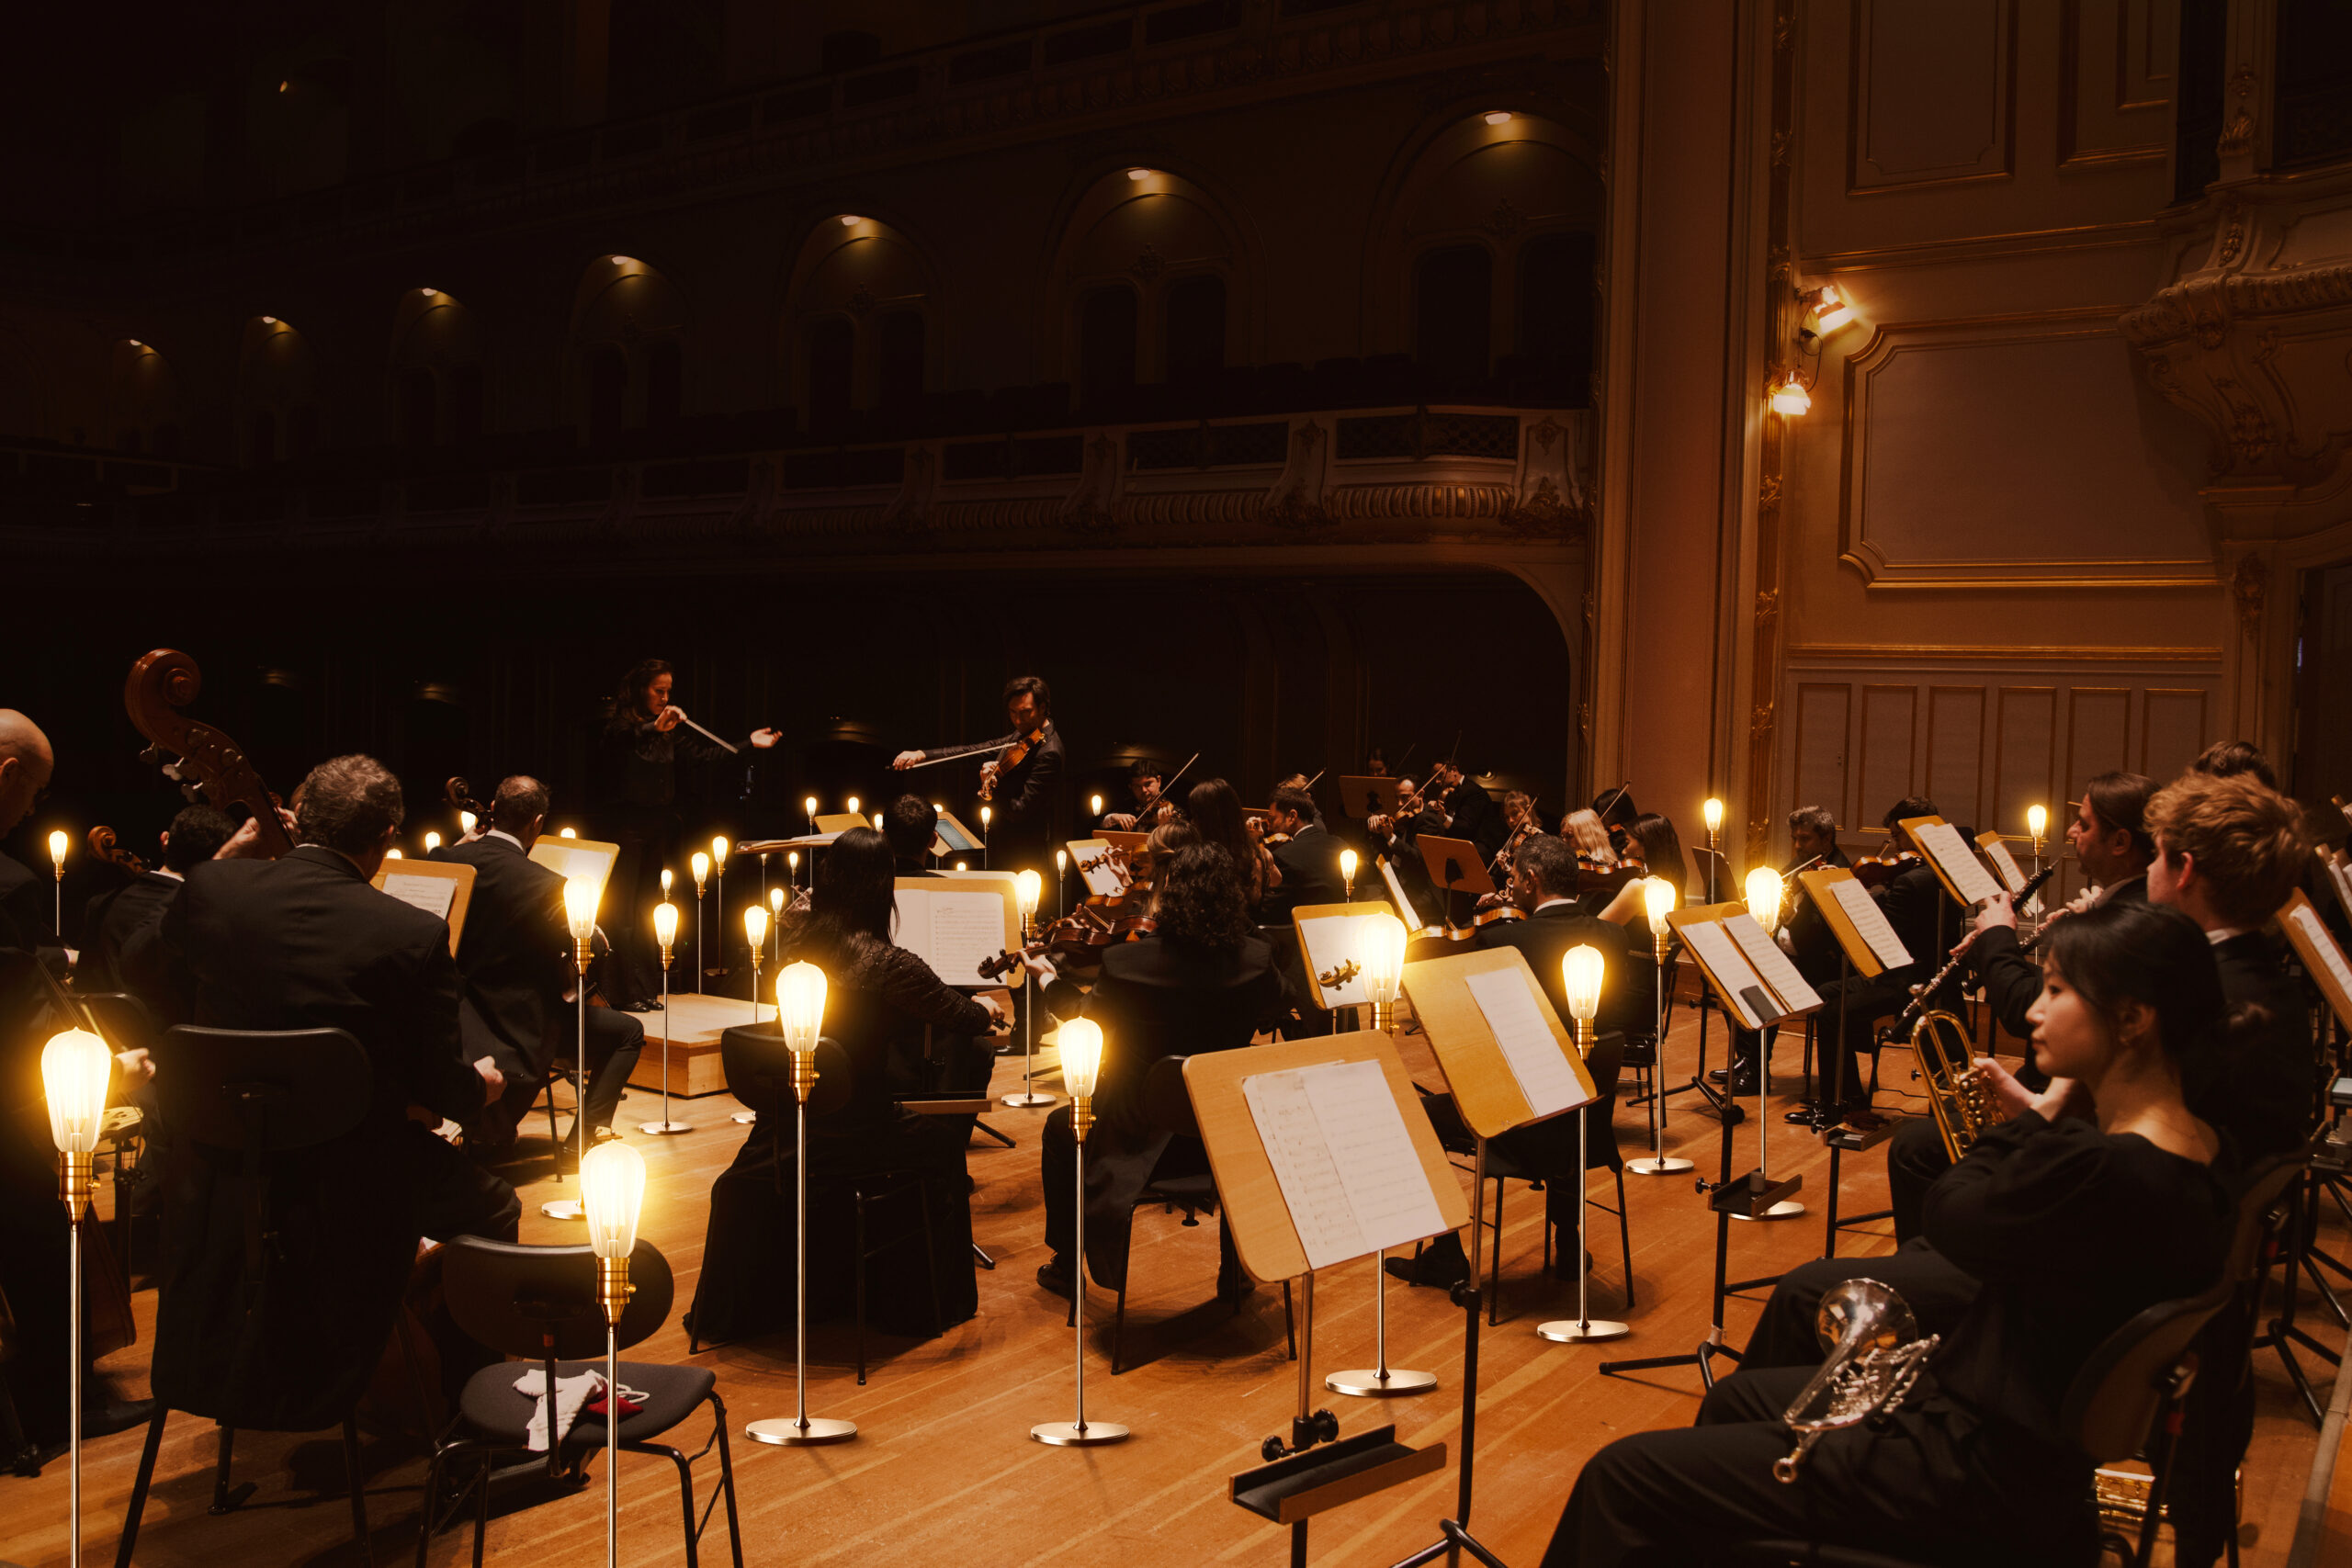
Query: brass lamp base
x=1369, y=1383
x=564, y=1209
x=1570, y=1331
x=814, y=1433
x=1668, y=1165
x=1027, y=1101
x=1786, y=1209
x=1070, y=1435
x=665, y=1129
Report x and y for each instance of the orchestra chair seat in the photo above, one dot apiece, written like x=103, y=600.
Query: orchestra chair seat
x=1168, y=1107
x=538, y=1304
x=1504, y=1163
x=274, y=1091
x=758, y=1068
x=2123, y=1402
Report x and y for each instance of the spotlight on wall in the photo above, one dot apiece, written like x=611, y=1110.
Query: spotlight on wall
x=430, y=293
x=1498, y=117
x=1138, y=175
x=1830, y=308
x=285, y=87
x=622, y=261
x=851, y=220
x=269, y=321
x=1789, y=397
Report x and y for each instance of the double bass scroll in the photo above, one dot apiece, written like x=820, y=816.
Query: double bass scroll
x=201, y=759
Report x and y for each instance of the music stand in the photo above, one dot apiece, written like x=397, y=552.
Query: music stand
x=443, y=888
x=1861, y=952
x=1366, y=797
x=1317, y=1470
x=1455, y=866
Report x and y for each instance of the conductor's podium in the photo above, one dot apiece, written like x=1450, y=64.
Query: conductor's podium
x=695, y=1023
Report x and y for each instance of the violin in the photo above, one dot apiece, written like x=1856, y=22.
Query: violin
x=203, y=762
x=1878, y=873
x=1080, y=935
x=460, y=798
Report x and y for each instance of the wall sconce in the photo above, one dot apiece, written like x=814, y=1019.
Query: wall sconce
x=1138, y=176
x=851, y=220
x=1498, y=117
x=1830, y=308
x=1789, y=397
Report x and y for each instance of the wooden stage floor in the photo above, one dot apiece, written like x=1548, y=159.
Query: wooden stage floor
x=944, y=1471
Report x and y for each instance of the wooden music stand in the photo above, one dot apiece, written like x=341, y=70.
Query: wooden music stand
x=1454, y=866
x=1856, y=955
x=1347, y=993
x=569, y=858
x=1949, y=856
x=914, y=933
x=1486, y=1091
x=951, y=829
x=2323, y=961
x=1364, y=798
x=837, y=822
x=2005, y=864
x=1098, y=881
x=1317, y=1470
x=425, y=891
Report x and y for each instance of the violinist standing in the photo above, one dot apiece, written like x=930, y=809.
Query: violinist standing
x=1031, y=793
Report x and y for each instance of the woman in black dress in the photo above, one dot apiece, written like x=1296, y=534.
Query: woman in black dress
x=2096, y=1199
x=879, y=998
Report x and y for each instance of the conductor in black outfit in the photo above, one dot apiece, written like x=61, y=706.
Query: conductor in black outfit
x=1031, y=799
x=304, y=942
x=643, y=742
x=514, y=961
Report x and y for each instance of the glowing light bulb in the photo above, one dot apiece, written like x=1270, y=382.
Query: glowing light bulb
x=985, y=815
x=1348, y=865
x=719, y=853
x=755, y=926
x=431, y=842
x=1081, y=1045
x=1789, y=397
x=612, y=1189
x=74, y=1069
x=1380, y=957
x=393, y=854
x=1580, y=975
x=1026, y=887
x=665, y=924
x=800, y=1005
x=1061, y=863
x=701, y=863
x=2037, y=820
x=853, y=806
x=57, y=842
x=1094, y=805
x=571, y=833
x=810, y=805
x=579, y=907
x=1713, y=814
x=466, y=819
x=1763, y=891
x=1657, y=901
x=775, y=902
x=667, y=878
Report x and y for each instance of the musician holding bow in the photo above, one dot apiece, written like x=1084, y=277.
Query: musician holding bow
x=1027, y=783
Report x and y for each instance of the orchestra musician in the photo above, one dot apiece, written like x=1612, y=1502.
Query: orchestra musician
x=123, y=921
x=1306, y=786
x=516, y=1004
x=2098, y=1198
x=644, y=739
x=305, y=943
x=1307, y=862
x=1144, y=776
x=1812, y=846
x=911, y=825
x=1214, y=807
x=1203, y=980
x=1651, y=848
x=27, y=906
x=1031, y=794
x=1469, y=812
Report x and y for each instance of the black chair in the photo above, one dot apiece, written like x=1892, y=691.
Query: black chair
x=538, y=1303
x=758, y=1068
x=1168, y=1107
x=257, y=1093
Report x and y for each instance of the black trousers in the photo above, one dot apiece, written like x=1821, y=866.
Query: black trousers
x=615, y=1039
x=648, y=837
x=453, y=1195
x=1922, y=1482
x=1915, y=1158
x=1937, y=1289
x=1057, y=1160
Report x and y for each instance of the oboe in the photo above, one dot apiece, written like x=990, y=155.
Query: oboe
x=1959, y=954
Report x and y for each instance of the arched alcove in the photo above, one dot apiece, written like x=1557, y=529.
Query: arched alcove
x=142, y=399
x=277, y=413
x=1152, y=253
x=861, y=320
x=435, y=389
x=628, y=330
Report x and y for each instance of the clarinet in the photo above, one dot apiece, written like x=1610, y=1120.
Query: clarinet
x=1959, y=954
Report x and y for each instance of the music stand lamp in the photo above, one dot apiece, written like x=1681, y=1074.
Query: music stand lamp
x=810, y=805
x=1711, y=812
x=2037, y=824
x=800, y=1015
x=1380, y=959
x=1082, y=1068
x=986, y=813
x=1581, y=972
x=665, y=932
x=1763, y=890
x=580, y=914
x=1061, y=881
x=611, y=1184
x=1348, y=864
x=431, y=842
x=701, y=863
x=75, y=1067
x=1026, y=889
x=1657, y=901
x=57, y=842
x=792, y=866
x=719, y=869
x=755, y=937
x=775, y=927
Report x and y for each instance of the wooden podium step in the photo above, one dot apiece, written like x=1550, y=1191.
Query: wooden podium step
x=695, y=1023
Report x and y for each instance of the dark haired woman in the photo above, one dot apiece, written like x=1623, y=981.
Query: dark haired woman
x=879, y=998
x=1205, y=981
x=1215, y=808
x=644, y=736
x=2098, y=1198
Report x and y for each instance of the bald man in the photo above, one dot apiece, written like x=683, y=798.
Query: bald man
x=26, y=763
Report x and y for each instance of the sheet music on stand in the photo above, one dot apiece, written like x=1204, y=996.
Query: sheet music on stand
x=1328, y=938
x=1101, y=880
x=952, y=925
x=442, y=888
x=1997, y=850
x=1414, y=919
x=569, y=858
x=1953, y=860
x=1727, y=969
x=1778, y=970
x=1361, y=798
x=1529, y=1046
x=2323, y=959
x=1860, y=924
x=1345, y=1163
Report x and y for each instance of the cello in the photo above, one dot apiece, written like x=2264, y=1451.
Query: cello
x=203, y=762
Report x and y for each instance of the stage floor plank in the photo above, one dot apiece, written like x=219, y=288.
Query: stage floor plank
x=943, y=1469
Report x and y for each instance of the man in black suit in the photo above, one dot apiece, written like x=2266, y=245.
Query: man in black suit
x=518, y=1004
x=27, y=901
x=911, y=824
x=122, y=921
x=1543, y=883
x=1470, y=812
x=298, y=944
x=1309, y=860
x=1031, y=799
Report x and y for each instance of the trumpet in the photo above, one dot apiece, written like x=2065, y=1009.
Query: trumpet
x=1875, y=1356
x=1956, y=1091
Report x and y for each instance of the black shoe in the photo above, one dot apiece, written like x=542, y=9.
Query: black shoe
x=106, y=1420
x=1439, y=1265
x=1742, y=1081
x=1718, y=1075
x=1811, y=1116
x=1054, y=1275
x=1562, y=1268
x=635, y=1007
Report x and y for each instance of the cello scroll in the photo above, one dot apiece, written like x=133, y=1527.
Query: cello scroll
x=201, y=759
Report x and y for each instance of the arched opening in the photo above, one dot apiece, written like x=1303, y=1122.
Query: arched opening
x=420, y=410
x=1195, y=328
x=860, y=332
x=1148, y=250
x=832, y=363
x=664, y=384
x=437, y=372
x=1106, y=342
x=628, y=328
x=608, y=393
x=898, y=362
x=1452, y=312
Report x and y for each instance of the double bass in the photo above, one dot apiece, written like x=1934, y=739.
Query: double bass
x=205, y=763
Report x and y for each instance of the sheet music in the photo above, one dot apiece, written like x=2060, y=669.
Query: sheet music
x=1331, y=942
x=434, y=895
x=1101, y=880
x=568, y=860
x=1732, y=972
x=2339, y=872
x=1530, y=1049
x=1405, y=911
x=1870, y=922
x=2012, y=875
x=1781, y=976
x=1953, y=856
x=2322, y=946
x=1347, y=1167
x=952, y=930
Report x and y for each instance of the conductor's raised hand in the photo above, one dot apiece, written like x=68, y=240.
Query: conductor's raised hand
x=668, y=718
x=763, y=738
x=906, y=760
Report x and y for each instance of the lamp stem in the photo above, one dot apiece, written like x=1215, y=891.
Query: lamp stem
x=612, y=1442
x=1657, y=1058
x=1077, y=1265
x=580, y=1052
x=74, y=1373
x=1380, y=1314
x=719, y=889
x=700, y=960
x=800, y=1264
x=665, y=1039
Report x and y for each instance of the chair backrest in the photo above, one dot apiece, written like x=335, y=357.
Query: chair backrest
x=540, y=1302
x=1606, y=1062
x=287, y=1089
x=758, y=1068
x=2116, y=1393
x=2257, y=1190
x=122, y=1019
x=1167, y=1104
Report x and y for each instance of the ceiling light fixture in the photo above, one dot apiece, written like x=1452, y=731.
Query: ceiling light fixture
x=851, y=220
x=1498, y=117
x=269, y=321
x=1138, y=175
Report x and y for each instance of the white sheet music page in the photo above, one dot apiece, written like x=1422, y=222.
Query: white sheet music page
x=1956, y=858
x=2315, y=931
x=1870, y=922
x=952, y=931
x=1405, y=911
x=568, y=861
x=1731, y=972
x=1780, y=975
x=1332, y=944
x=2012, y=873
x=1530, y=1049
x=434, y=895
x=1345, y=1163
x=1101, y=880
